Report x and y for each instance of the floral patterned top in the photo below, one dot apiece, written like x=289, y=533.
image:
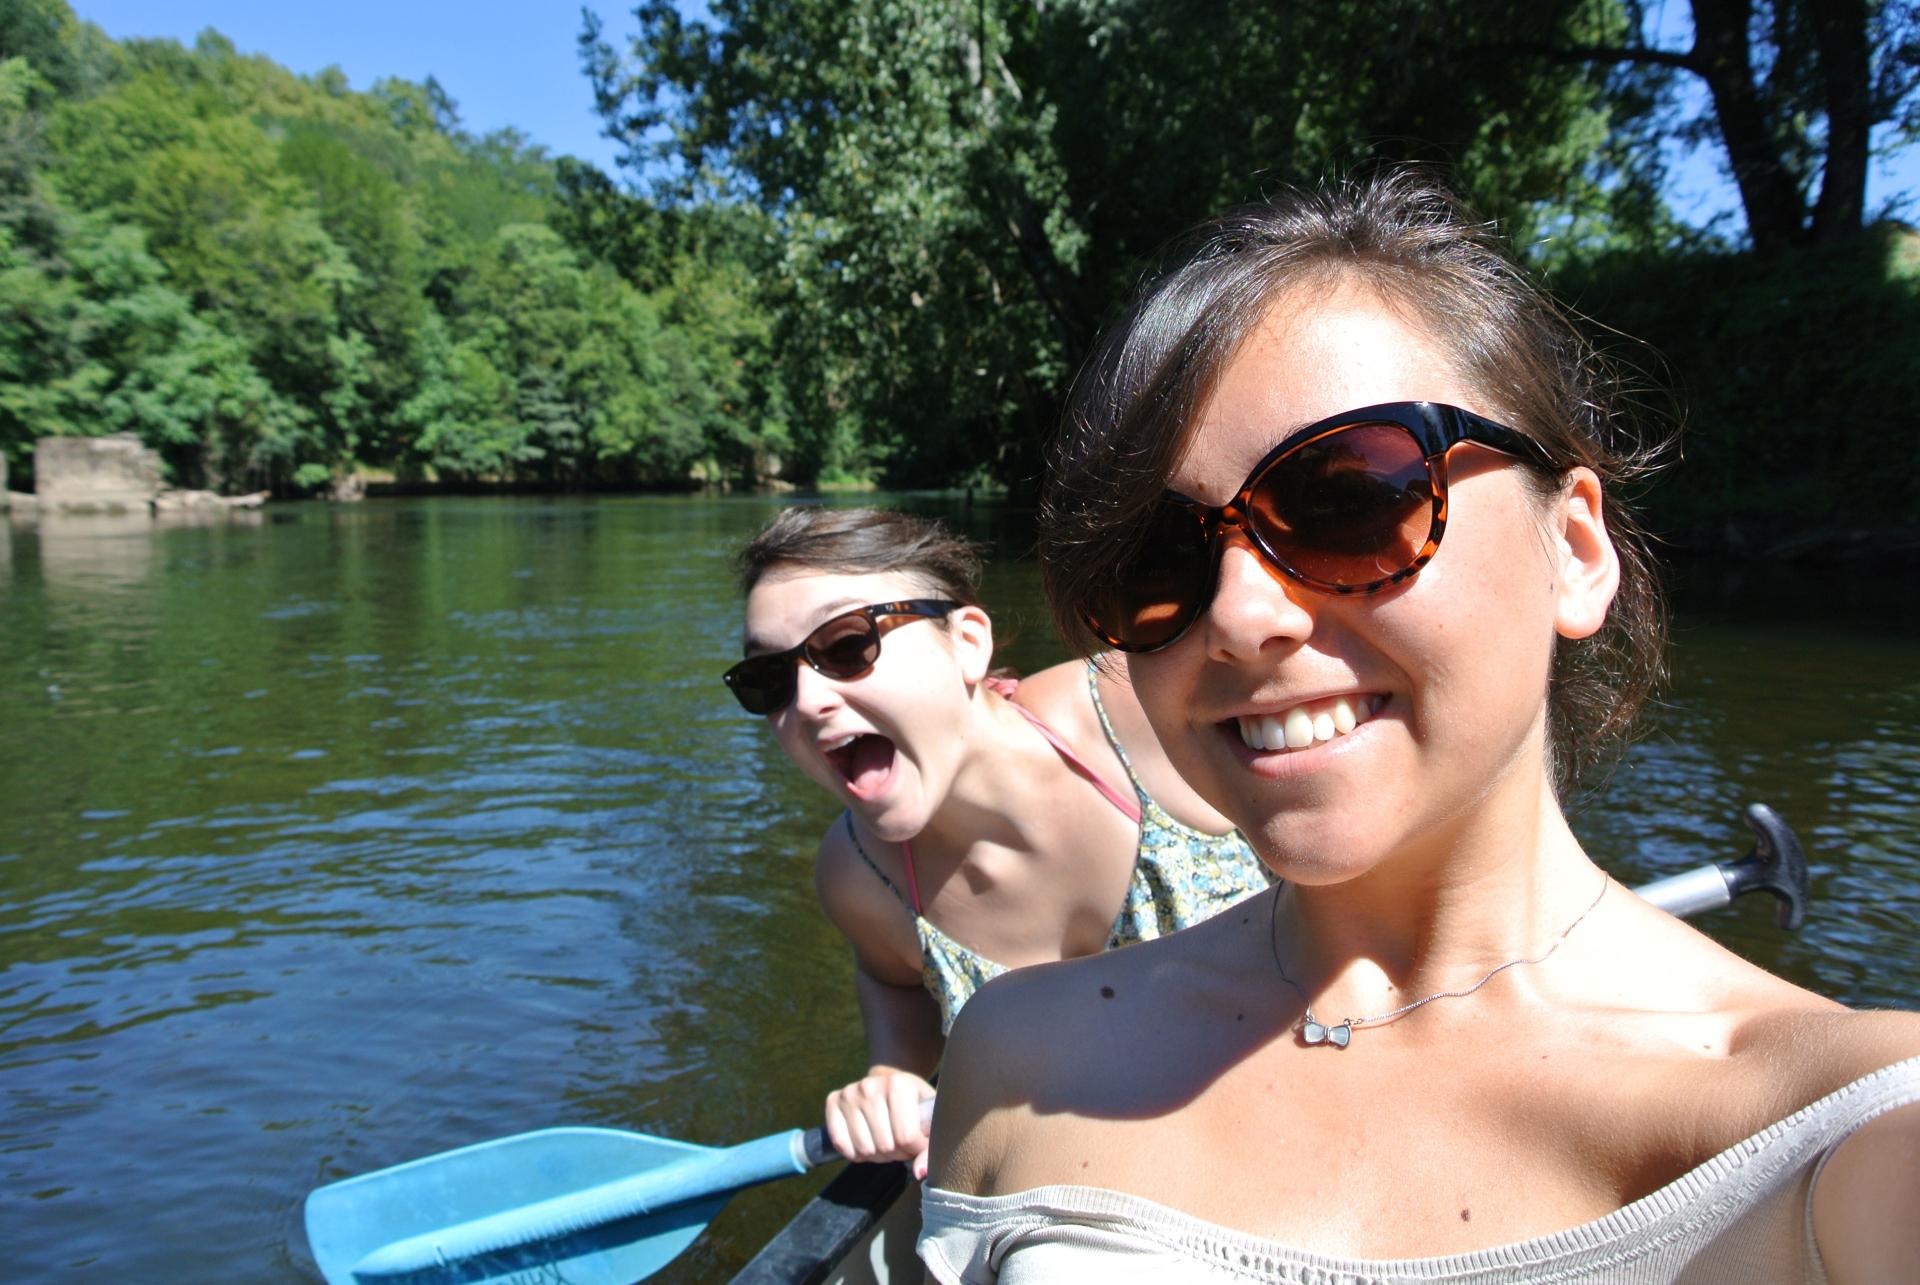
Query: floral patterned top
x=1180, y=876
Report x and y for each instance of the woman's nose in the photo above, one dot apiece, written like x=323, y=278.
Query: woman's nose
x=1254, y=602
x=814, y=694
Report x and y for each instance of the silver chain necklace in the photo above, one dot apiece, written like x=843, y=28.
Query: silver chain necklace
x=1314, y=1031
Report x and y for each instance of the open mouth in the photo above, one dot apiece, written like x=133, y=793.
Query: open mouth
x=865, y=762
x=1310, y=724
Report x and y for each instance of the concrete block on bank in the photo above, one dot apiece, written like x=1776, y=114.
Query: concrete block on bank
x=95, y=474
x=205, y=502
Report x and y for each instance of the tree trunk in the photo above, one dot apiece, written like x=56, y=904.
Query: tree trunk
x=1840, y=38
x=1776, y=210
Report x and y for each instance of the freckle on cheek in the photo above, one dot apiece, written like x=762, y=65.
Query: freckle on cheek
x=1466, y=1215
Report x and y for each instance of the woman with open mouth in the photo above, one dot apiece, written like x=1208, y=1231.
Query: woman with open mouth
x=989, y=824
x=1445, y=1046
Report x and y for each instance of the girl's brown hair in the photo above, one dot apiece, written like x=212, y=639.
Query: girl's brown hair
x=865, y=542
x=1134, y=408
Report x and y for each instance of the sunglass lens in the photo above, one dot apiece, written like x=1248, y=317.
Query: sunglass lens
x=1350, y=509
x=844, y=647
x=1156, y=594
x=762, y=684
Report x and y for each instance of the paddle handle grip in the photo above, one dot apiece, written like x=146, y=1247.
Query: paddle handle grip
x=1777, y=864
x=815, y=1146
x=818, y=1150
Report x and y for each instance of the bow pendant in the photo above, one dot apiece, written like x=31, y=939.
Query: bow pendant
x=1336, y=1036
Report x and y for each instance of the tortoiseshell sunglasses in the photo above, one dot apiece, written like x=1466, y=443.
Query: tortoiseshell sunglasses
x=1353, y=504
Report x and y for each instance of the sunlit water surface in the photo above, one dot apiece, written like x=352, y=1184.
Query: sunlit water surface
x=349, y=835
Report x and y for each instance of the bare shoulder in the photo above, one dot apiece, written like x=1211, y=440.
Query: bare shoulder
x=998, y=1067
x=1041, y=1048
x=872, y=918
x=1788, y=1048
x=1057, y=696
x=979, y=1088
x=1830, y=1046
x=1742, y=1048
x=1811, y=1045
x=1157, y=775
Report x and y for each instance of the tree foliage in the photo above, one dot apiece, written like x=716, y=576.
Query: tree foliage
x=878, y=237
x=964, y=192
x=276, y=279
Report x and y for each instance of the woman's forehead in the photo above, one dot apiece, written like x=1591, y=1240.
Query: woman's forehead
x=1312, y=355
x=795, y=597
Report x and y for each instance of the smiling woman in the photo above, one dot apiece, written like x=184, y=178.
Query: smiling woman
x=1444, y=1047
x=989, y=825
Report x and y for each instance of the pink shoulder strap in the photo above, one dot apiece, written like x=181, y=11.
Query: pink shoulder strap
x=1128, y=805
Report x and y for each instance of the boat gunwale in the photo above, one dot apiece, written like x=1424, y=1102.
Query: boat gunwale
x=828, y=1228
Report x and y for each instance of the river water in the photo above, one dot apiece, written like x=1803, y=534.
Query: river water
x=333, y=837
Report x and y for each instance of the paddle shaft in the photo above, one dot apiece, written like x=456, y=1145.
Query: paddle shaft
x=1692, y=893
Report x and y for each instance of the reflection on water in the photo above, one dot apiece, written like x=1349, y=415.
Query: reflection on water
x=84, y=554
x=350, y=835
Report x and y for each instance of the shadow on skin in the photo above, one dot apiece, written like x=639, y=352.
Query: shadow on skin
x=1133, y=1058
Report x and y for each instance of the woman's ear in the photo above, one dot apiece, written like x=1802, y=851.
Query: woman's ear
x=971, y=631
x=1589, y=568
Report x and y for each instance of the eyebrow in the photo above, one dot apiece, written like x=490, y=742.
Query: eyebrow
x=751, y=646
x=1287, y=434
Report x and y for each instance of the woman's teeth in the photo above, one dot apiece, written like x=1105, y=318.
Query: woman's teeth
x=1299, y=727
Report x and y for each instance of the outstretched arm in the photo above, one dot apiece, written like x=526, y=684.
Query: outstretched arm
x=877, y=1117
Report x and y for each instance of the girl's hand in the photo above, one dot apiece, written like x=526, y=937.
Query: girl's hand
x=878, y=1118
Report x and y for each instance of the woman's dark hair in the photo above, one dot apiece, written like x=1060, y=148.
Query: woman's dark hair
x=1135, y=405
x=865, y=542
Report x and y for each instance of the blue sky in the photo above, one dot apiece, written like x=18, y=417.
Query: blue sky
x=505, y=62
x=513, y=62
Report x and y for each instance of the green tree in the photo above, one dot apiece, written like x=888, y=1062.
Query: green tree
x=279, y=279
x=963, y=193
x=461, y=418
x=560, y=367
x=1795, y=89
x=95, y=342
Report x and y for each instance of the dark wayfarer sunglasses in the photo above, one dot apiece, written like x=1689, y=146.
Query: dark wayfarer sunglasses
x=1352, y=504
x=844, y=647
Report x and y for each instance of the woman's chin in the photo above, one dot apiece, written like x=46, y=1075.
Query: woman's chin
x=1313, y=855
x=893, y=825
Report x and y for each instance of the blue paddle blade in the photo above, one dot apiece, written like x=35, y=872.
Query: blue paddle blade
x=364, y=1218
